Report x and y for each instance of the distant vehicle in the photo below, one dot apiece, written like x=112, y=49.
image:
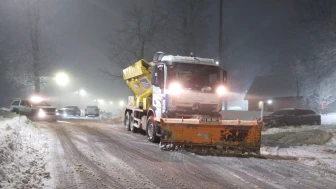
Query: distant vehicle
x=292, y=116
x=70, y=111
x=35, y=108
x=92, y=111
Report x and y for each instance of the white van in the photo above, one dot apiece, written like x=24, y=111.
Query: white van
x=92, y=111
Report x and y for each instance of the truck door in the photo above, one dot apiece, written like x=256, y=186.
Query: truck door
x=158, y=91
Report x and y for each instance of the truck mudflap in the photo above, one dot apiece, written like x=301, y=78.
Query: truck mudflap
x=212, y=136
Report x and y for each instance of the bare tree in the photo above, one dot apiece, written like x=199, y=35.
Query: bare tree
x=297, y=72
x=318, y=23
x=188, y=24
x=28, y=62
x=314, y=10
x=139, y=36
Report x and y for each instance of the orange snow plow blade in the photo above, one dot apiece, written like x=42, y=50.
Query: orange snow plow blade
x=211, y=136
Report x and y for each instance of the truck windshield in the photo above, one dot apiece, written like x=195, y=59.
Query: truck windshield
x=196, y=77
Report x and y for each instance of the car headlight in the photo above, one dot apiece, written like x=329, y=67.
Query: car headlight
x=41, y=113
x=221, y=91
x=175, y=88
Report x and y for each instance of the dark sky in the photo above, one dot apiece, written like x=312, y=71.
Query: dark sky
x=77, y=31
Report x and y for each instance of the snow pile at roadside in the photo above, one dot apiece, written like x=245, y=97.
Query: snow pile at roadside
x=6, y=114
x=296, y=136
x=329, y=119
x=4, y=109
x=22, y=152
x=311, y=145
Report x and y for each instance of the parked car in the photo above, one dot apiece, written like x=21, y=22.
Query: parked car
x=70, y=111
x=292, y=116
x=61, y=112
x=92, y=111
x=34, y=109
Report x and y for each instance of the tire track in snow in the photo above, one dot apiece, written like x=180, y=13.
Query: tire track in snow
x=90, y=175
x=174, y=169
x=300, y=173
x=61, y=174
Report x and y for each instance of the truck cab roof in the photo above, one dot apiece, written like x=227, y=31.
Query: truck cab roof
x=169, y=59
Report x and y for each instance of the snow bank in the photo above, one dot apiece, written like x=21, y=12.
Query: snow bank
x=329, y=119
x=5, y=109
x=311, y=145
x=22, y=153
x=287, y=139
x=6, y=114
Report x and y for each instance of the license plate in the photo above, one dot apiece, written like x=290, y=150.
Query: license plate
x=208, y=120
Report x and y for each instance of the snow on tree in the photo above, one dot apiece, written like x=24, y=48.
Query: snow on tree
x=314, y=70
x=28, y=61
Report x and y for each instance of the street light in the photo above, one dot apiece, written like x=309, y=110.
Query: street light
x=121, y=103
x=62, y=79
x=82, y=92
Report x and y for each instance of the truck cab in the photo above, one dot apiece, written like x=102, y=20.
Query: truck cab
x=172, y=87
x=187, y=87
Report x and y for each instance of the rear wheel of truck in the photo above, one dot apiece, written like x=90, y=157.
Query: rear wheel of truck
x=127, y=121
x=151, y=130
x=132, y=128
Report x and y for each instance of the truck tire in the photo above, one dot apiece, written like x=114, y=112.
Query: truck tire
x=127, y=121
x=132, y=128
x=151, y=130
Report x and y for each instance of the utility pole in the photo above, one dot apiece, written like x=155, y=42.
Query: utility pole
x=220, y=47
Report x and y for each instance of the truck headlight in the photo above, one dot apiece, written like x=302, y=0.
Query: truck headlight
x=221, y=90
x=36, y=99
x=41, y=113
x=175, y=88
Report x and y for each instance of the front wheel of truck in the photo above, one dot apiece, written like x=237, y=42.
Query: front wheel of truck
x=151, y=130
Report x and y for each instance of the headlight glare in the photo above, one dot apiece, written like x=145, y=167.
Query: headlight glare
x=41, y=113
x=221, y=90
x=175, y=88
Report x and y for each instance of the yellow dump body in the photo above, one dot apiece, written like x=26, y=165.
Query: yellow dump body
x=138, y=78
x=224, y=136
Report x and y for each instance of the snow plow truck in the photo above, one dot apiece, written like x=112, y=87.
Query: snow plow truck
x=177, y=100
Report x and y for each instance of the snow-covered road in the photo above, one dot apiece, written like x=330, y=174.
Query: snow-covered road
x=93, y=154
x=90, y=154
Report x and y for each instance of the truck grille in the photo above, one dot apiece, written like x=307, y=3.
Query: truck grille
x=49, y=111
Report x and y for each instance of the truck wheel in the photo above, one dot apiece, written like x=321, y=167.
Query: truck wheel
x=151, y=130
x=132, y=128
x=127, y=121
